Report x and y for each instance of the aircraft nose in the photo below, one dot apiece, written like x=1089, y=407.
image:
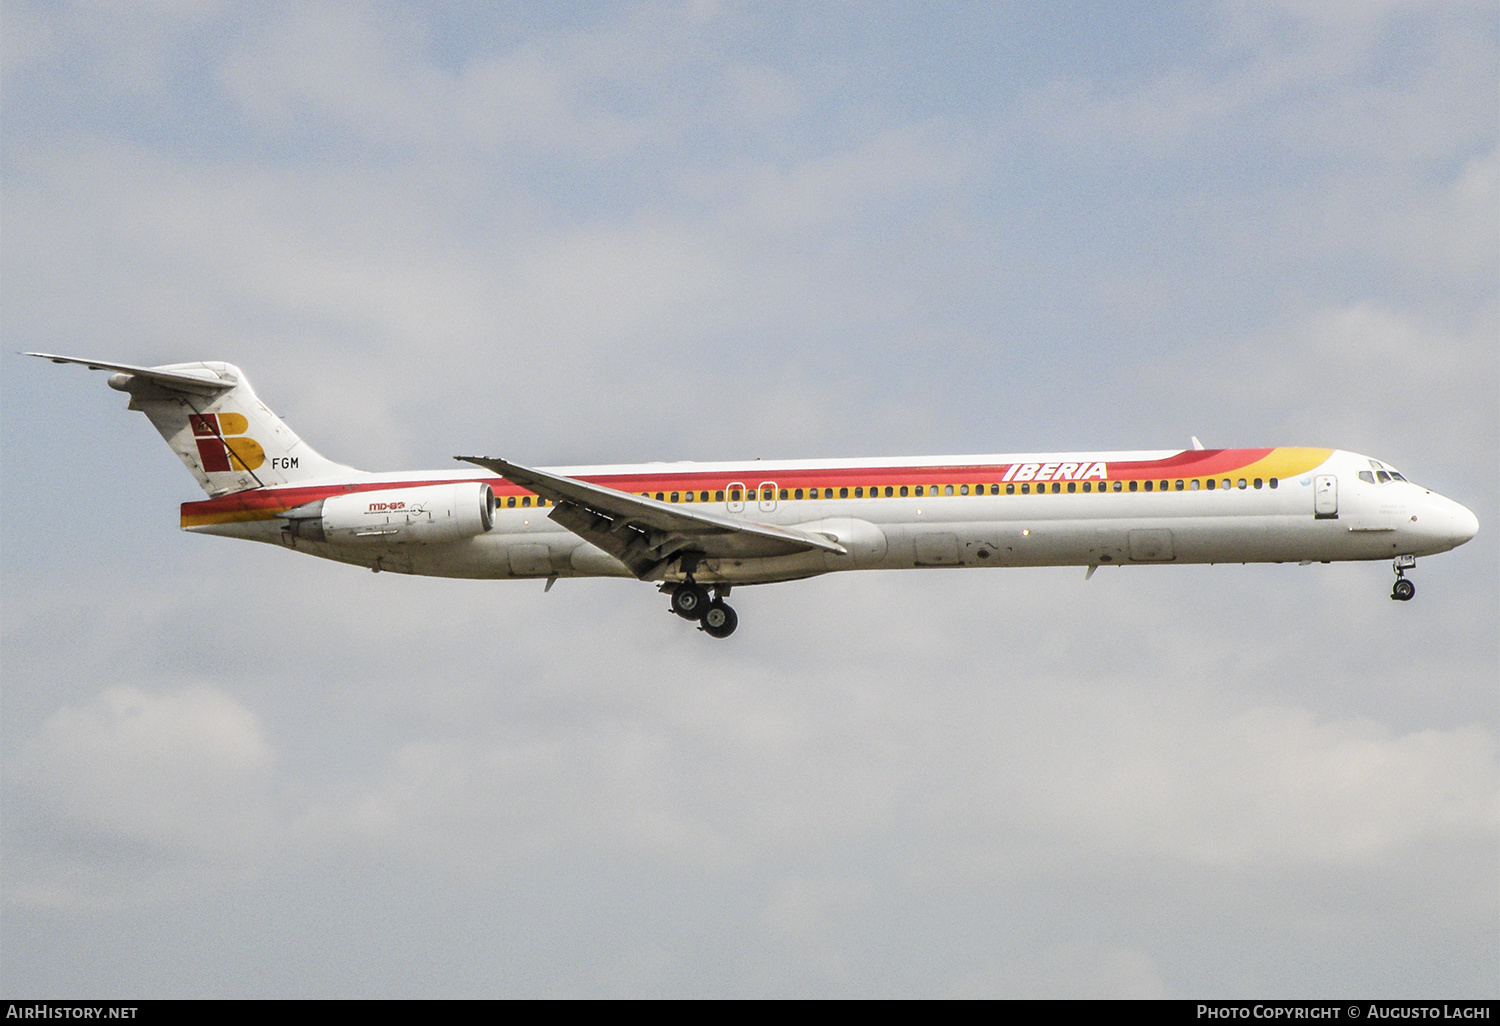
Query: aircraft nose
x=1451, y=524
x=1442, y=524
x=1465, y=524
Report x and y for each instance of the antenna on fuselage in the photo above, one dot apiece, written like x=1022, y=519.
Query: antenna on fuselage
x=1196, y=444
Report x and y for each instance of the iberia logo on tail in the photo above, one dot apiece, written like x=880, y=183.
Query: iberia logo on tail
x=223, y=444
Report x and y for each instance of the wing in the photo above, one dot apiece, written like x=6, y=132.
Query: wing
x=645, y=534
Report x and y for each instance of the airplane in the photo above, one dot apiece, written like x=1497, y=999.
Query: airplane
x=697, y=530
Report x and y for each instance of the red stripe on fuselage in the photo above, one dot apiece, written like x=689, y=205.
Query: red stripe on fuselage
x=263, y=503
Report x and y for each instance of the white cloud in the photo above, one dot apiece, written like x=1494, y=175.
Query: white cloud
x=883, y=168
x=1073, y=972
x=1263, y=787
x=1448, y=230
x=762, y=94
x=1300, y=83
x=370, y=74
x=176, y=784
x=1360, y=377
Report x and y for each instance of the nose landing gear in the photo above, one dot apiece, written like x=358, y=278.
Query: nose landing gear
x=1403, y=590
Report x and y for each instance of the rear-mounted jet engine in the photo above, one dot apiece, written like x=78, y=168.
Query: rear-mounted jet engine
x=426, y=515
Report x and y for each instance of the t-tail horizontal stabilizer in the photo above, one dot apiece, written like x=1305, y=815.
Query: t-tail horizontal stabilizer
x=207, y=412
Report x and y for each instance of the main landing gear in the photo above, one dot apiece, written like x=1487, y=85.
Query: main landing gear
x=715, y=617
x=1403, y=589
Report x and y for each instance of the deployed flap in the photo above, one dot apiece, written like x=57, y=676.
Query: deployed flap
x=643, y=533
x=179, y=379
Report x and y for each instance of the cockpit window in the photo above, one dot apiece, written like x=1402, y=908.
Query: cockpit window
x=1385, y=472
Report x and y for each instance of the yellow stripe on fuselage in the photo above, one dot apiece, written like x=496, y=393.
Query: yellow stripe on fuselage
x=1285, y=462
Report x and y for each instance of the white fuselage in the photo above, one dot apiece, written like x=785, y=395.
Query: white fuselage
x=1322, y=511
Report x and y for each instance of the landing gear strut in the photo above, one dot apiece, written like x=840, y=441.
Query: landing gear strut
x=1403, y=589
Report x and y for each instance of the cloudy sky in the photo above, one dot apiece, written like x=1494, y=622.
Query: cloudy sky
x=604, y=232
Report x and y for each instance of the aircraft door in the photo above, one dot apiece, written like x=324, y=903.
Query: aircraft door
x=734, y=497
x=1326, y=497
x=768, y=496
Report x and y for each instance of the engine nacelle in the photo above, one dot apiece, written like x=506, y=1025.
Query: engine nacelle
x=430, y=514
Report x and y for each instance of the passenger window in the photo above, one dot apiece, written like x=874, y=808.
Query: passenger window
x=1240, y=484
x=843, y=493
x=1088, y=486
x=659, y=496
x=675, y=496
x=1148, y=485
x=1226, y=483
x=1072, y=486
x=526, y=501
x=1193, y=485
x=1010, y=489
x=947, y=489
x=798, y=493
x=1026, y=489
x=903, y=491
x=688, y=496
x=1133, y=486
x=783, y=494
x=511, y=502
x=1273, y=482
x=734, y=495
x=1209, y=484
x=919, y=490
x=1179, y=484
x=1258, y=482
x=887, y=491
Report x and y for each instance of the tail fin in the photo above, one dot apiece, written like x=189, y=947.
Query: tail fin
x=211, y=418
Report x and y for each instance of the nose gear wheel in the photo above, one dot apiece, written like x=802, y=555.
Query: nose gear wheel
x=1403, y=590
